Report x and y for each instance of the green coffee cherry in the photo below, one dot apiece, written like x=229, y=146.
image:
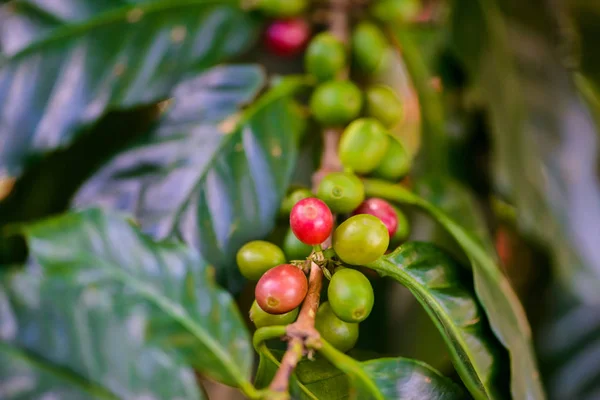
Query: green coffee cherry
x=261, y=318
x=369, y=46
x=384, y=105
x=335, y=103
x=293, y=248
x=350, y=295
x=325, y=57
x=342, y=192
x=395, y=11
x=292, y=198
x=363, y=145
x=341, y=335
x=403, y=229
x=282, y=8
x=361, y=239
x=257, y=257
x=396, y=162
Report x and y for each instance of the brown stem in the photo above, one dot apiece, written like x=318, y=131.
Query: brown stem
x=302, y=334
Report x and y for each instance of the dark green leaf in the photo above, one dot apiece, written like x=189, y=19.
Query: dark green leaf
x=498, y=299
x=545, y=141
x=75, y=341
x=433, y=279
x=396, y=378
x=64, y=74
x=214, y=189
x=103, y=250
x=406, y=379
x=569, y=348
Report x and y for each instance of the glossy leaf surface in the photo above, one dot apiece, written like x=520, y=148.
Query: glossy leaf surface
x=216, y=185
x=71, y=340
x=498, y=299
x=433, y=279
x=396, y=378
x=545, y=140
x=67, y=62
x=104, y=251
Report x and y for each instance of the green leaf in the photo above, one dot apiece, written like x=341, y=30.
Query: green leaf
x=103, y=250
x=498, y=299
x=64, y=75
x=403, y=378
x=433, y=279
x=312, y=380
x=70, y=340
x=545, y=140
x=396, y=378
x=568, y=347
x=216, y=191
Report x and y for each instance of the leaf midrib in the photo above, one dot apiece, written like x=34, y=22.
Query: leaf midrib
x=165, y=304
x=391, y=269
x=96, y=389
x=117, y=15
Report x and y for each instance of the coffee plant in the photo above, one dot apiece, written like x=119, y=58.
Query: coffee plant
x=299, y=199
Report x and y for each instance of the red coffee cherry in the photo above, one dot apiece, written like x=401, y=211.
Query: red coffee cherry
x=381, y=209
x=281, y=289
x=311, y=221
x=287, y=37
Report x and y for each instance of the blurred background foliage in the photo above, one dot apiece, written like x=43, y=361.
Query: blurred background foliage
x=502, y=105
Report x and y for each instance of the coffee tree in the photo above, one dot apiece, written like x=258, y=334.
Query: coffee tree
x=201, y=194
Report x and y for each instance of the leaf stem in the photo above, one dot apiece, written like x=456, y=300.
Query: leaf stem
x=268, y=332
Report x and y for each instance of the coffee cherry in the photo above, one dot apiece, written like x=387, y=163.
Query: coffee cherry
x=361, y=239
x=363, y=145
x=403, y=229
x=368, y=46
x=282, y=8
x=293, y=248
x=257, y=257
x=341, y=335
x=335, y=103
x=381, y=209
x=350, y=295
x=395, y=11
x=261, y=318
x=396, y=162
x=287, y=37
x=291, y=199
x=281, y=289
x=342, y=192
x=383, y=105
x=311, y=221
x=325, y=57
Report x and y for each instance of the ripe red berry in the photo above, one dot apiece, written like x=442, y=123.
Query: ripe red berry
x=287, y=37
x=381, y=209
x=281, y=289
x=311, y=221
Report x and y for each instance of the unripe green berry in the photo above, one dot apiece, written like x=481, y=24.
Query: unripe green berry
x=363, y=145
x=403, y=229
x=282, y=8
x=383, y=105
x=369, y=46
x=257, y=257
x=325, y=57
x=293, y=248
x=395, y=11
x=342, y=192
x=361, y=239
x=335, y=103
x=396, y=162
x=350, y=295
x=261, y=318
x=292, y=198
x=341, y=335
